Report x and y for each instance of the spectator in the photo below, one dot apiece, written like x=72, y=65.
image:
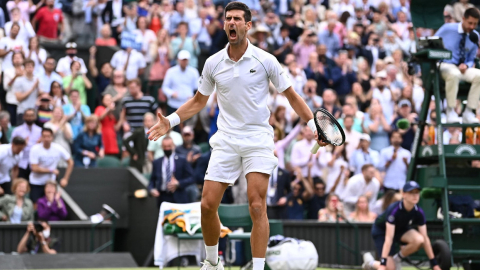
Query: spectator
x=109, y=124
x=35, y=242
x=44, y=159
x=388, y=198
x=291, y=23
x=297, y=76
x=364, y=76
x=188, y=149
x=17, y=208
x=282, y=44
x=333, y=210
x=76, y=112
x=183, y=42
x=10, y=155
x=51, y=207
x=31, y=133
x=105, y=38
x=155, y=150
x=323, y=58
x=113, y=15
x=10, y=44
x=362, y=212
x=180, y=82
x=301, y=155
x=64, y=67
x=171, y=174
x=26, y=90
x=377, y=126
x=9, y=77
x=394, y=161
x=77, y=80
x=313, y=101
x=384, y=95
x=48, y=76
x=130, y=61
x=136, y=105
x=50, y=22
x=261, y=38
x=117, y=89
x=57, y=95
x=349, y=111
x=341, y=77
x=360, y=184
x=44, y=109
x=26, y=30
x=278, y=189
x=353, y=136
x=301, y=192
x=405, y=111
x=317, y=201
x=330, y=39
x=35, y=53
x=373, y=51
x=304, y=47
x=62, y=132
x=309, y=20
x=6, y=128
x=139, y=148
x=363, y=155
x=177, y=18
x=102, y=78
x=329, y=103
x=161, y=62
x=338, y=172
x=316, y=71
x=459, y=9
x=402, y=25
x=148, y=37
x=88, y=146
x=24, y=8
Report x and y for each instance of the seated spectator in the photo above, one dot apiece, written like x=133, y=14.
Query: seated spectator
x=76, y=112
x=48, y=76
x=88, y=145
x=139, y=148
x=363, y=155
x=58, y=97
x=301, y=192
x=62, y=131
x=26, y=89
x=363, y=183
x=155, y=150
x=44, y=109
x=377, y=126
x=388, y=198
x=5, y=127
x=109, y=123
x=34, y=241
x=188, y=149
x=37, y=54
x=50, y=21
x=117, y=89
x=317, y=201
x=64, y=67
x=362, y=212
x=332, y=211
x=10, y=75
x=394, y=160
x=77, y=80
x=102, y=78
x=105, y=38
x=51, y=207
x=17, y=208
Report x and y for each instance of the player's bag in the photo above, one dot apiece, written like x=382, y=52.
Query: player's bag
x=291, y=254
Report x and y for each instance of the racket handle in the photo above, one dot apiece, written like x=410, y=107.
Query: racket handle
x=315, y=148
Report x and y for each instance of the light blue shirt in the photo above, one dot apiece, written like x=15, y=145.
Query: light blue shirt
x=46, y=81
x=16, y=215
x=332, y=41
x=360, y=158
x=182, y=82
x=189, y=45
x=451, y=33
x=396, y=173
x=252, y=4
x=77, y=121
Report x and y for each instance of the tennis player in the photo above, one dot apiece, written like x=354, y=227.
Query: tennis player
x=395, y=227
x=244, y=142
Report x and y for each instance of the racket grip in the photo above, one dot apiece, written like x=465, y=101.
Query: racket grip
x=315, y=148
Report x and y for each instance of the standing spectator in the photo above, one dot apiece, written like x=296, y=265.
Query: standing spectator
x=57, y=95
x=44, y=159
x=88, y=145
x=76, y=112
x=360, y=184
x=459, y=9
x=17, y=208
x=113, y=15
x=341, y=77
x=35, y=53
x=148, y=37
x=384, y=95
x=62, y=131
x=140, y=143
x=337, y=166
x=394, y=161
x=282, y=44
x=51, y=207
x=301, y=155
x=161, y=62
x=108, y=120
x=278, y=189
x=377, y=126
x=26, y=90
x=408, y=135
x=31, y=133
x=64, y=67
x=117, y=90
x=313, y=101
x=26, y=30
x=330, y=39
x=25, y=8
x=318, y=199
x=352, y=136
x=291, y=23
x=363, y=155
x=177, y=18
x=180, y=82
x=329, y=103
x=183, y=42
x=5, y=127
x=44, y=109
x=188, y=149
x=301, y=192
x=50, y=21
x=9, y=77
x=77, y=80
x=102, y=78
x=171, y=174
x=48, y=76
x=349, y=111
x=362, y=211
x=130, y=61
x=333, y=209
x=373, y=51
x=105, y=38
x=136, y=105
x=10, y=155
x=10, y=44
x=304, y=47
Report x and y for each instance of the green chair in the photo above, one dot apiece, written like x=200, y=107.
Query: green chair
x=204, y=147
x=125, y=162
x=108, y=162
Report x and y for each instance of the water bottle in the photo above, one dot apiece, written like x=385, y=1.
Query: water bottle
x=86, y=161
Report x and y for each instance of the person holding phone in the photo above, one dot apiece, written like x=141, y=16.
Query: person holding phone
x=77, y=80
x=37, y=239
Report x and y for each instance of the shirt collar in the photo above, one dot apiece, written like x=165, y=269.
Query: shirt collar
x=247, y=54
x=460, y=28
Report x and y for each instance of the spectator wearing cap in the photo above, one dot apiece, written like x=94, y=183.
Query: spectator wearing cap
x=405, y=112
x=394, y=162
x=180, y=82
x=363, y=183
x=130, y=61
x=282, y=45
x=26, y=89
x=363, y=155
x=330, y=39
x=183, y=42
x=377, y=126
x=10, y=44
x=188, y=149
x=50, y=21
x=384, y=95
x=26, y=30
x=44, y=109
x=341, y=76
x=291, y=23
x=65, y=63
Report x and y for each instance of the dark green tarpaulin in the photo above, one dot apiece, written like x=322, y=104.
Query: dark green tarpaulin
x=428, y=13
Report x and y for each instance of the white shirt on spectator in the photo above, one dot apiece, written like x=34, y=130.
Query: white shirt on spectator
x=148, y=38
x=22, y=85
x=447, y=136
x=47, y=80
x=7, y=161
x=360, y=158
x=182, y=82
x=46, y=158
x=386, y=100
x=64, y=64
x=136, y=62
x=117, y=13
x=39, y=59
x=7, y=43
x=8, y=75
x=396, y=173
x=357, y=186
x=353, y=139
x=300, y=156
x=196, y=28
x=25, y=33
x=333, y=173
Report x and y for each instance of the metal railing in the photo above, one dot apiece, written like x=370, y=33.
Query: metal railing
x=113, y=218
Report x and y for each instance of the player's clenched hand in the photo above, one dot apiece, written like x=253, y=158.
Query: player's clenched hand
x=159, y=129
x=319, y=141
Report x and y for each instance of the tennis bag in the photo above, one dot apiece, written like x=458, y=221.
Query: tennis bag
x=291, y=254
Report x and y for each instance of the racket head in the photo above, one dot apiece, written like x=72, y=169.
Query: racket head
x=328, y=128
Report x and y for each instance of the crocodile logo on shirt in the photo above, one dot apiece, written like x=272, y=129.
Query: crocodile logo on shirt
x=252, y=70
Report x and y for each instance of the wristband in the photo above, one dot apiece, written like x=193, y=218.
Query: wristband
x=383, y=261
x=311, y=125
x=174, y=119
x=433, y=262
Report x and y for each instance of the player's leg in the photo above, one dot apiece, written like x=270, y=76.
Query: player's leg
x=369, y=262
x=414, y=241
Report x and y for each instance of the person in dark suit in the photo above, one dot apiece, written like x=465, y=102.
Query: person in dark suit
x=109, y=16
x=136, y=144
x=171, y=174
x=278, y=188
x=374, y=50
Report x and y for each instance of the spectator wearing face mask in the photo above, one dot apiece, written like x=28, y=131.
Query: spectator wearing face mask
x=64, y=66
x=34, y=241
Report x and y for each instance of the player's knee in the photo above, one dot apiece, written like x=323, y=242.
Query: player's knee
x=419, y=240
x=257, y=209
x=453, y=75
x=476, y=77
x=208, y=207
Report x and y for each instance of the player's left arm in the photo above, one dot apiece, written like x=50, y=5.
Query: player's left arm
x=427, y=246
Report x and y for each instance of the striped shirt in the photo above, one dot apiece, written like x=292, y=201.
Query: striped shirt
x=137, y=108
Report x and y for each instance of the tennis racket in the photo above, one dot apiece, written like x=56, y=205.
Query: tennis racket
x=328, y=129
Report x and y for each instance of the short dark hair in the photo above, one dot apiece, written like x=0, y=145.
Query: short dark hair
x=30, y=109
x=47, y=130
x=28, y=62
x=366, y=167
x=471, y=12
x=73, y=90
x=182, y=23
x=17, y=140
x=135, y=81
x=247, y=14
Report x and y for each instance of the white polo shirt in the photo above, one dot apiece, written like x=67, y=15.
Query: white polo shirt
x=242, y=89
x=136, y=62
x=64, y=64
x=7, y=161
x=46, y=158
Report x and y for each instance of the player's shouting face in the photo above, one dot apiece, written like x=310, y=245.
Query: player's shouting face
x=235, y=26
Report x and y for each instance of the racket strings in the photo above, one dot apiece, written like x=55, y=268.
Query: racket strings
x=330, y=129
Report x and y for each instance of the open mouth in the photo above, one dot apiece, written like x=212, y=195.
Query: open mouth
x=233, y=33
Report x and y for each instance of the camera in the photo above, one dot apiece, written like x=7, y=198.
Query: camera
x=38, y=226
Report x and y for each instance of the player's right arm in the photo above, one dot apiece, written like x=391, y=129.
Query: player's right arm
x=387, y=245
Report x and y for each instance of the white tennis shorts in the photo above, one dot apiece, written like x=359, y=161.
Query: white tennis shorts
x=232, y=156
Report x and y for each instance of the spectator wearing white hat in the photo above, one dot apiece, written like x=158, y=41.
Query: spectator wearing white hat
x=405, y=112
x=180, y=82
x=65, y=63
x=363, y=155
x=383, y=93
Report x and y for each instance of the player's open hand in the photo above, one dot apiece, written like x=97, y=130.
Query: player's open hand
x=320, y=141
x=159, y=129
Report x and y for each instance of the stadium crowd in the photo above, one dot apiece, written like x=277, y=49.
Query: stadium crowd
x=347, y=56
